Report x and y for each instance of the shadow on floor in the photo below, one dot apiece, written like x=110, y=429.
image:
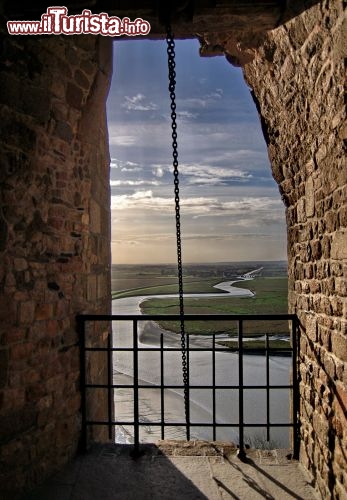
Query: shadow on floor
x=177, y=470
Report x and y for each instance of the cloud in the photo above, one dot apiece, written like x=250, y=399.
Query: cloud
x=207, y=174
x=140, y=200
x=136, y=239
x=139, y=238
x=134, y=183
x=158, y=171
x=230, y=205
x=144, y=141
x=226, y=237
x=138, y=102
x=126, y=242
x=193, y=102
x=217, y=94
x=186, y=115
x=201, y=102
x=131, y=169
x=197, y=207
x=249, y=206
x=122, y=140
x=125, y=166
x=145, y=200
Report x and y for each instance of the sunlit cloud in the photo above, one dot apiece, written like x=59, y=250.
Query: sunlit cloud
x=138, y=102
x=122, y=140
x=134, y=183
x=158, y=171
x=206, y=174
x=131, y=169
x=187, y=115
x=140, y=200
x=125, y=166
x=230, y=205
x=196, y=206
x=139, y=135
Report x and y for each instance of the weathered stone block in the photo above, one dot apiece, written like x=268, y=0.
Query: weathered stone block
x=314, y=286
x=26, y=312
x=331, y=221
x=43, y=311
x=309, y=195
x=3, y=367
x=301, y=214
x=316, y=249
x=341, y=286
x=20, y=264
x=102, y=287
x=339, y=346
x=82, y=80
x=52, y=328
x=87, y=67
x=14, y=399
x=92, y=288
x=95, y=217
x=21, y=351
x=339, y=245
x=63, y=131
x=325, y=245
x=74, y=96
x=343, y=217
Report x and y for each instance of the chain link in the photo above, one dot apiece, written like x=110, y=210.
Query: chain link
x=172, y=90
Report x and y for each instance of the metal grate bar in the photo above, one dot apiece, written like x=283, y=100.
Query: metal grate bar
x=182, y=423
x=168, y=386
x=214, y=386
x=267, y=388
x=136, y=391
x=241, y=349
x=162, y=403
x=241, y=388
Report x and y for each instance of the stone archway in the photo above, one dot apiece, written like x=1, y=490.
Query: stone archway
x=54, y=229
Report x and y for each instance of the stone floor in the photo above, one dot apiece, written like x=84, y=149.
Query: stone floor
x=174, y=470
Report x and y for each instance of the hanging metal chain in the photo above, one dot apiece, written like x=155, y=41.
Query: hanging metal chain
x=172, y=89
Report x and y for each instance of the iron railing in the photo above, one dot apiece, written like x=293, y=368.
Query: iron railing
x=136, y=422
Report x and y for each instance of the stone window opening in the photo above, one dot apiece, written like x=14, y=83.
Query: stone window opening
x=54, y=219
x=141, y=159
x=133, y=173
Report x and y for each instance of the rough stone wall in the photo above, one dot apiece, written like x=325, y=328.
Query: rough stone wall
x=54, y=233
x=297, y=77
x=54, y=241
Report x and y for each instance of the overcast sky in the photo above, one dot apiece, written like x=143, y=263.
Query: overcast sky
x=231, y=207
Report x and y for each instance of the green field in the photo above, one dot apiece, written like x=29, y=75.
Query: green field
x=148, y=284
x=130, y=280
x=270, y=298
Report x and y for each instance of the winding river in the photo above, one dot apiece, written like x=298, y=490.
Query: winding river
x=200, y=374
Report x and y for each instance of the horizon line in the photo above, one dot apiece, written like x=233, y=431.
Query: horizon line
x=195, y=263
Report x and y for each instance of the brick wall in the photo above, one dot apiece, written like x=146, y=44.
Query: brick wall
x=54, y=227
x=297, y=77
x=54, y=242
